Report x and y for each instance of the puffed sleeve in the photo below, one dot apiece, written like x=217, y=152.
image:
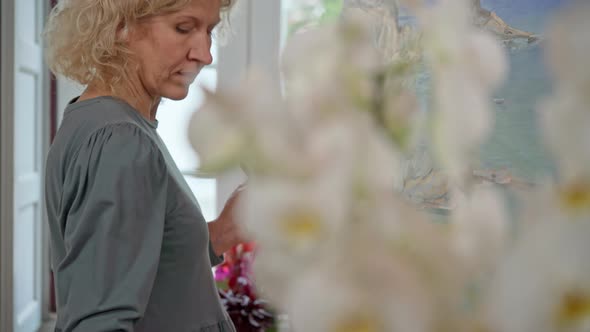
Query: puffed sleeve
x=113, y=232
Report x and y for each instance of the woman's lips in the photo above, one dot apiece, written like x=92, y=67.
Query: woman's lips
x=188, y=77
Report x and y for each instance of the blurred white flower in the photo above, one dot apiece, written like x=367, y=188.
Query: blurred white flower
x=545, y=285
x=568, y=46
x=401, y=118
x=461, y=123
x=480, y=230
x=378, y=162
x=352, y=146
x=339, y=249
x=361, y=289
x=274, y=271
x=565, y=119
x=294, y=217
x=245, y=127
x=445, y=26
x=485, y=59
x=381, y=23
x=555, y=202
x=219, y=140
x=427, y=247
x=574, y=198
x=298, y=71
x=344, y=62
x=466, y=66
x=564, y=116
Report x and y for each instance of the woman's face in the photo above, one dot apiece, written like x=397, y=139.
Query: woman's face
x=171, y=49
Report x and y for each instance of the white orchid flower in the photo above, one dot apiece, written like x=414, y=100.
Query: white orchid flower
x=545, y=284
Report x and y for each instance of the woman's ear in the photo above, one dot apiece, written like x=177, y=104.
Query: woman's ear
x=123, y=32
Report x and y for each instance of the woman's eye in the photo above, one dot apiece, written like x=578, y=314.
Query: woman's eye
x=182, y=30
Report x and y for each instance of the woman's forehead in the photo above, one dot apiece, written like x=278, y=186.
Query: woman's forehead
x=205, y=11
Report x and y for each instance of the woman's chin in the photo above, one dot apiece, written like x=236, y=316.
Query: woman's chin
x=176, y=94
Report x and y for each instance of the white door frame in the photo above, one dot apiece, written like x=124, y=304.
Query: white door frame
x=254, y=43
x=7, y=184
x=49, y=117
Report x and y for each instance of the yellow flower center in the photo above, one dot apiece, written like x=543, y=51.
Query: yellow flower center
x=302, y=225
x=359, y=324
x=573, y=308
x=576, y=196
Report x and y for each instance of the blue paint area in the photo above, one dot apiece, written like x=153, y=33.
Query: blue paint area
x=516, y=142
x=531, y=15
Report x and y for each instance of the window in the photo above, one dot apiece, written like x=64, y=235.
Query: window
x=174, y=117
x=301, y=14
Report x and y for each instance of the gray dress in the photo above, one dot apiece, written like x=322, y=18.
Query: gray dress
x=130, y=247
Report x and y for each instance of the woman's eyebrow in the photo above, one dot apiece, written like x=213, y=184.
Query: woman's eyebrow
x=198, y=20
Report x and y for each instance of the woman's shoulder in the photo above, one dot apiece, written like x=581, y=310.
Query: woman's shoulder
x=87, y=125
x=103, y=111
x=82, y=119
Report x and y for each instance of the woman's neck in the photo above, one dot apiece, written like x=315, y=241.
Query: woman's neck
x=144, y=104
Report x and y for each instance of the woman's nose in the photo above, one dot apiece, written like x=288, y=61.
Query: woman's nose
x=200, y=50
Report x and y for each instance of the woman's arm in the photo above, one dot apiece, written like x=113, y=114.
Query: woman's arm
x=113, y=233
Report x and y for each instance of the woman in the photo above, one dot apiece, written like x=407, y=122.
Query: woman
x=130, y=248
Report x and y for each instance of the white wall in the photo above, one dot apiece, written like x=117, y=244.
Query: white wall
x=66, y=91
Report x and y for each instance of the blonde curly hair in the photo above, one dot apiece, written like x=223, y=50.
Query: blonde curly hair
x=81, y=36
